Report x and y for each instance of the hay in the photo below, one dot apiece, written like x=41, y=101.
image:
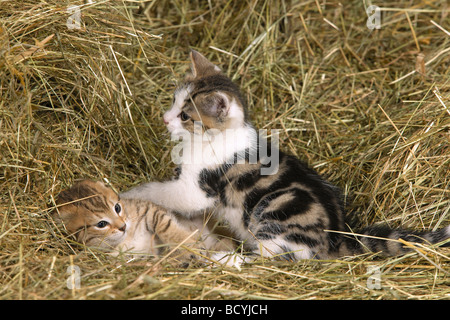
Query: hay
x=369, y=109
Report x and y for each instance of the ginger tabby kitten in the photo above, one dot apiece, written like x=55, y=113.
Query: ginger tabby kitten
x=96, y=217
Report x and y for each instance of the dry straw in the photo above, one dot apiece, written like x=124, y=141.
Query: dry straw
x=82, y=94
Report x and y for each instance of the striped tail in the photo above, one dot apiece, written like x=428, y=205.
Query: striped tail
x=389, y=241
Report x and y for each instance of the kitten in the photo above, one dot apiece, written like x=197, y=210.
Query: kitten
x=95, y=216
x=283, y=212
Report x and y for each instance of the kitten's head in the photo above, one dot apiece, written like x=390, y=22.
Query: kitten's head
x=207, y=96
x=92, y=213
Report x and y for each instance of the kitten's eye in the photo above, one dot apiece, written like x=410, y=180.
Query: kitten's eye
x=118, y=208
x=102, y=224
x=184, y=116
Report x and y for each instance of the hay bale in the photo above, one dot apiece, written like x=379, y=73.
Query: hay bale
x=85, y=101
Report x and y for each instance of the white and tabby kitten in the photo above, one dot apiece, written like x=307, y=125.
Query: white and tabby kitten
x=96, y=217
x=285, y=213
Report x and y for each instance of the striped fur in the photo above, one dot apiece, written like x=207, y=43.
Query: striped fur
x=95, y=216
x=284, y=214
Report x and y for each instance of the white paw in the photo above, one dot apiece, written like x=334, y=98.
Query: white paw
x=229, y=259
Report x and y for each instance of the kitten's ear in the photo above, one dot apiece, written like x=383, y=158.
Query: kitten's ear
x=219, y=105
x=202, y=67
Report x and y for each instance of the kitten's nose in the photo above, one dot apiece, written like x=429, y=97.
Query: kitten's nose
x=123, y=227
x=166, y=122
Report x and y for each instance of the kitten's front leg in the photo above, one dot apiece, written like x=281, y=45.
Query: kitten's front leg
x=146, y=191
x=183, y=196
